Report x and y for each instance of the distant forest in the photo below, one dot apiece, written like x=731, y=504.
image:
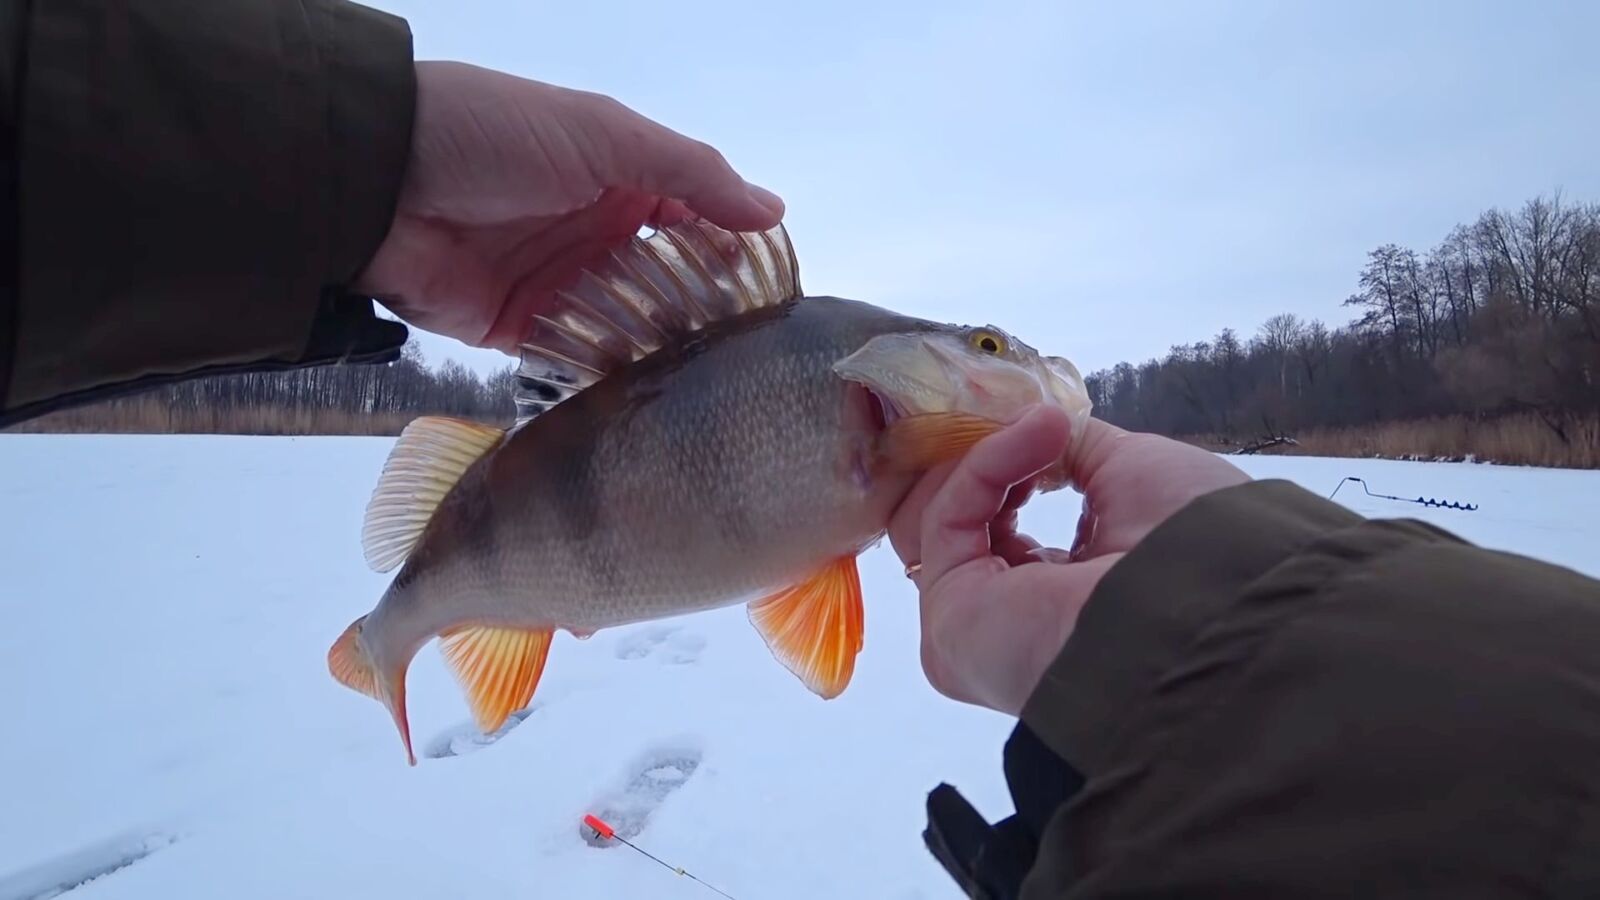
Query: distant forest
x=362, y=399
x=1487, y=346
x=1489, y=339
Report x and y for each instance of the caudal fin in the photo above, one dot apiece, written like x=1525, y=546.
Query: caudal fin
x=352, y=667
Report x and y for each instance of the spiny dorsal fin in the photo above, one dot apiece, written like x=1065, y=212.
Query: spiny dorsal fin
x=427, y=460
x=647, y=294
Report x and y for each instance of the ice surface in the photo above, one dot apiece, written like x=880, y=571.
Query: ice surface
x=170, y=729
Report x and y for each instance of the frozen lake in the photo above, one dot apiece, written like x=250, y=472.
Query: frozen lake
x=168, y=603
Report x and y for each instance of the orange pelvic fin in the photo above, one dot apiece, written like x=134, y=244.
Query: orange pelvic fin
x=351, y=667
x=497, y=667
x=815, y=627
x=919, y=442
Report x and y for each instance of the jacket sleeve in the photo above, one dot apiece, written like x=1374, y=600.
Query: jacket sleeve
x=1274, y=697
x=188, y=187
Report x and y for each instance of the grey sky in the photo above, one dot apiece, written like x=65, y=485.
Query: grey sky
x=1102, y=182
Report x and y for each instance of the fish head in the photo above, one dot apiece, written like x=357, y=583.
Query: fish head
x=973, y=371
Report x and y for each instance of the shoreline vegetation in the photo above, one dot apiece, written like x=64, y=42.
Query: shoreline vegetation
x=1513, y=440
x=1486, y=348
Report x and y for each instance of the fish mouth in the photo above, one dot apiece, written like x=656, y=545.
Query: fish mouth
x=882, y=410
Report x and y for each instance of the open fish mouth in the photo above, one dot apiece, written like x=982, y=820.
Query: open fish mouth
x=882, y=410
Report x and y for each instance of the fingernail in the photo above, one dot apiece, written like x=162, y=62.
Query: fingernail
x=769, y=201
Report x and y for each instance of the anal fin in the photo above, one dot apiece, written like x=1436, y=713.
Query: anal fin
x=815, y=627
x=497, y=667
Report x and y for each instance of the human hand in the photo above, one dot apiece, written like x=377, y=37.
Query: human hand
x=514, y=186
x=997, y=607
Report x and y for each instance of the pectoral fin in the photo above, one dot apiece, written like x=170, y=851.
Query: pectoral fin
x=815, y=627
x=920, y=442
x=498, y=668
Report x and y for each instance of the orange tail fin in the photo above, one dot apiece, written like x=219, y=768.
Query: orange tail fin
x=352, y=667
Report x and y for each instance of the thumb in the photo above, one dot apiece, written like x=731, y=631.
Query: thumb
x=645, y=155
x=1096, y=446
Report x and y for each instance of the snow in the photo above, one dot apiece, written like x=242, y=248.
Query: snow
x=170, y=729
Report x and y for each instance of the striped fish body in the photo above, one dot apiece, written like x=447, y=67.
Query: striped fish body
x=691, y=480
x=693, y=432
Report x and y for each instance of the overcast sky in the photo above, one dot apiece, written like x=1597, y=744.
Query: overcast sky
x=1102, y=182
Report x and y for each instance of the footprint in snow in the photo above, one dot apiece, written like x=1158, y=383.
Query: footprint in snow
x=76, y=868
x=654, y=776
x=466, y=738
x=668, y=643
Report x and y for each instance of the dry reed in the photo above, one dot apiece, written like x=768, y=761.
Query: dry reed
x=149, y=415
x=1523, y=440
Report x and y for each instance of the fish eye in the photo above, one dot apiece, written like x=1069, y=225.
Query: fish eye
x=988, y=341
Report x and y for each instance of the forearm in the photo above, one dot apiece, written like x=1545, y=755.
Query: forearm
x=1272, y=696
x=196, y=184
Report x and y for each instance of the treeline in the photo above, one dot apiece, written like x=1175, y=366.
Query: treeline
x=355, y=399
x=1498, y=323
x=1485, y=345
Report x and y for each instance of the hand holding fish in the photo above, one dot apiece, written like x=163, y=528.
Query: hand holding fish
x=513, y=186
x=996, y=606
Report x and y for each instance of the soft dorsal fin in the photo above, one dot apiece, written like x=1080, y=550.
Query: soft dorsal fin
x=647, y=294
x=427, y=460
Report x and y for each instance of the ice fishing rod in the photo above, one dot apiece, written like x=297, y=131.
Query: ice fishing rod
x=1425, y=501
x=602, y=830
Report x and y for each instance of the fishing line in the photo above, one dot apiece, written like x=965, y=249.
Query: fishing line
x=1425, y=501
x=602, y=830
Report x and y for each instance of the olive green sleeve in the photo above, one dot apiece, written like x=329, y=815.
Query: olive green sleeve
x=194, y=183
x=1272, y=696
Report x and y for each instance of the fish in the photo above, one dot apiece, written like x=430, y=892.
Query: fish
x=692, y=431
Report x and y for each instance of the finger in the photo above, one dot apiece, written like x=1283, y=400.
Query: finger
x=1020, y=494
x=644, y=154
x=538, y=267
x=669, y=213
x=1051, y=555
x=1095, y=447
x=1084, y=538
x=1015, y=548
x=905, y=525
x=955, y=529
x=988, y=637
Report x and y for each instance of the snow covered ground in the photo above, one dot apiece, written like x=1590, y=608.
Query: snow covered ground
x=170, y=729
